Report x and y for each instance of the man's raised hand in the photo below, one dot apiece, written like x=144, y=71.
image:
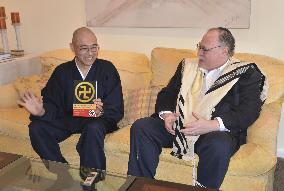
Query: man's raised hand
x=31, y=103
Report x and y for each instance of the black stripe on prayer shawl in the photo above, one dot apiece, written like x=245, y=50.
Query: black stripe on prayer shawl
x=179, y=156
x=181, y=149
x=185, y=147
x=228, y=77
x=180, y=136
x=176, y=132
x=181, y=100
x=176, y=145
x=183, y=141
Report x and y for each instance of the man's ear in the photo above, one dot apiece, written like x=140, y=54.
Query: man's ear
x=226, y=50
x=72, y=47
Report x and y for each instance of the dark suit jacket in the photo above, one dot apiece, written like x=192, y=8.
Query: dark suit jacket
x=238, y=109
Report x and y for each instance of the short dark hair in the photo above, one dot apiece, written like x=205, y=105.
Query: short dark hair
x=226, y=38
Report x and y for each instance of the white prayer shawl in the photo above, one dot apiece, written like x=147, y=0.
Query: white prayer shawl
x=191, y=98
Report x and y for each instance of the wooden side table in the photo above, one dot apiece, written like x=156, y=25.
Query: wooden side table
x=11, y=167
x=7, y=158
x=19, y=67
x=146, y=184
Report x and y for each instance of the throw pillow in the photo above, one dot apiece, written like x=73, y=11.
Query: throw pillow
x=153, y=97
x=138, y=103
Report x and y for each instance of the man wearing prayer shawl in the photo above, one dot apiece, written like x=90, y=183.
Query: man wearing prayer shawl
x=206, y=109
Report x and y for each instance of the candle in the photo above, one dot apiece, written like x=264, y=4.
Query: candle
x=2, y=23
x=2, y=12
x=15, y=17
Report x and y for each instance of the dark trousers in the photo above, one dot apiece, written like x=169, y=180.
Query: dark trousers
x=46, y=136
x=148, y=136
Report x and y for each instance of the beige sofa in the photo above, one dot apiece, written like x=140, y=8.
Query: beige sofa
x=251, y=168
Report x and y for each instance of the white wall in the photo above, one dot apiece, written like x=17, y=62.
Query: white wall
x=49, y=24
x=280, y=143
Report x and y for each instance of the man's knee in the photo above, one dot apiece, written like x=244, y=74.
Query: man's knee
x=142, y=125
x=36, y=129
x=137, y=125
x=219, y=143
x=222, y=143
x=95, y=128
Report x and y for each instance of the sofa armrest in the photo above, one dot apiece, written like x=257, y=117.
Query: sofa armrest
x=9, y=96
x=265, y=129
x=250, y=160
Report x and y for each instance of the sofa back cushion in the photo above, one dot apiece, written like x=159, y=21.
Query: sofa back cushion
x=51, y=59
x=134, y=68
x=272, y=68
x=164, y=62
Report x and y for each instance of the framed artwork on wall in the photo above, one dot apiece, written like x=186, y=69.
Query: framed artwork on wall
x=168, y=13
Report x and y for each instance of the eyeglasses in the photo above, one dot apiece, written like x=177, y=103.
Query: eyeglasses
x=84, y=48
x=199, y=47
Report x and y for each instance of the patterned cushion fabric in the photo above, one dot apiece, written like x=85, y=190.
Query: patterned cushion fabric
x=138, y=103
x=153, y=97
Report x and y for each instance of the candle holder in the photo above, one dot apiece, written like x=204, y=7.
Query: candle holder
x=2, y=12
x=15, y=17
x=3, y=30
x=5, y=43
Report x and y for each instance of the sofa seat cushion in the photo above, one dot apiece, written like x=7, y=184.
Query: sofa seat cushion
x=14, y=122
x=246, y=162
x=118, y=142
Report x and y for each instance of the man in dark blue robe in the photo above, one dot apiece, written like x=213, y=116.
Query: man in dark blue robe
x=52, y=116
